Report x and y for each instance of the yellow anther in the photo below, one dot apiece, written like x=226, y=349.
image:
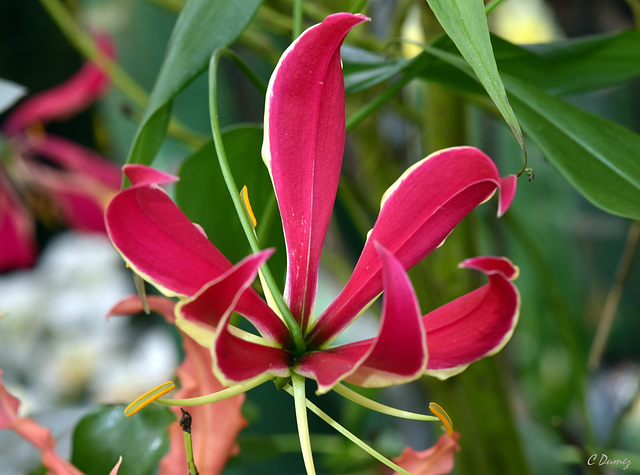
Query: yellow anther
x=148, y=397
x=244, y=196
x=443, y=416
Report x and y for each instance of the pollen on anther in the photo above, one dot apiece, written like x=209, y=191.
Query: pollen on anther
x=148, y=397
x=244, y=196
x=443, y=416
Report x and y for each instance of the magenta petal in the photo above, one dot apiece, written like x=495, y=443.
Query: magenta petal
x=303, y=146
x=397, y=355
x=141, y=175
x=159, y=242
x=238, y=359
x=71, y=157
x=417, y=214
x=17, y=242
x=217, y=299
x=64, y=100
x=477, y=324
x=507, y=192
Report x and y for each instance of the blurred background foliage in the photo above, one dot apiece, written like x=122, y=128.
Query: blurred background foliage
x=541, y=405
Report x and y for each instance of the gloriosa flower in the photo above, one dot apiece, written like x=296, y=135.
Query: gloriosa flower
x=304, y=133
x=49, y=177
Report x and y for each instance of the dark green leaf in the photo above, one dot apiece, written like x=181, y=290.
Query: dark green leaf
x=202, y=27
x=105, y=434
x=598, y=157
x=202, y=194
x=465, y=22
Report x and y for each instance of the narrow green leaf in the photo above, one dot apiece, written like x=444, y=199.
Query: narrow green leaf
x=201, y=193
x=465, y=22
x=598, y=157
x=202, y=27
x=566, y=67
x=105, y=434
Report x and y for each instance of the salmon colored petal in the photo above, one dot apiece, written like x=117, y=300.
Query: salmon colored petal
x=219, y=298
x=38, y=436
x=216, y=426
x=417, y=214
x=64, y=100
x=303, y=144
x=132, y=305
x=397, y=355
x=436, y=460
x=477, y=324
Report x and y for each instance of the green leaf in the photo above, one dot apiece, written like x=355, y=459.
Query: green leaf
x=465, y=22
x=202, y=27
x=105, y=434
x=202, y=194
x=598, y=157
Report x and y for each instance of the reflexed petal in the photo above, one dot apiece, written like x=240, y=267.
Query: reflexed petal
x=237, y=359
x=64, y=100
x=303, y=145
x=477, y=324
x=219, y=298
x=159, y=242
x=398, y=354
x=133, y=305
x=507, y=192
x=417, y=213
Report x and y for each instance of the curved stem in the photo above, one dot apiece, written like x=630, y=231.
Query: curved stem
x=217, y=396
x=300, y=401
x=290, y=322
x=370, y=450
x=378, y=407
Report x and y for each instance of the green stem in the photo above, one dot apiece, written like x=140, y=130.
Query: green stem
x=185, y=425
x=219, y=395
x=300, y=399
x=376, y=406
x=358, y=6
x=84, y=43
x=297, y=19
x=289, y=320
x=325, y=417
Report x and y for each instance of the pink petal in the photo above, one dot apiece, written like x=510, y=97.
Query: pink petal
x=237, y=359
x=17, y=244
x=437, y=460
x=418, y=212
x=507, y=192
x=40, y=437
x=215, y=426
x=303, y=146
x=141, y=175
x=477, y=324
x=64, y=100
x=397, y=355
x=219, y=298
x=160, y=243
x=71, y=157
